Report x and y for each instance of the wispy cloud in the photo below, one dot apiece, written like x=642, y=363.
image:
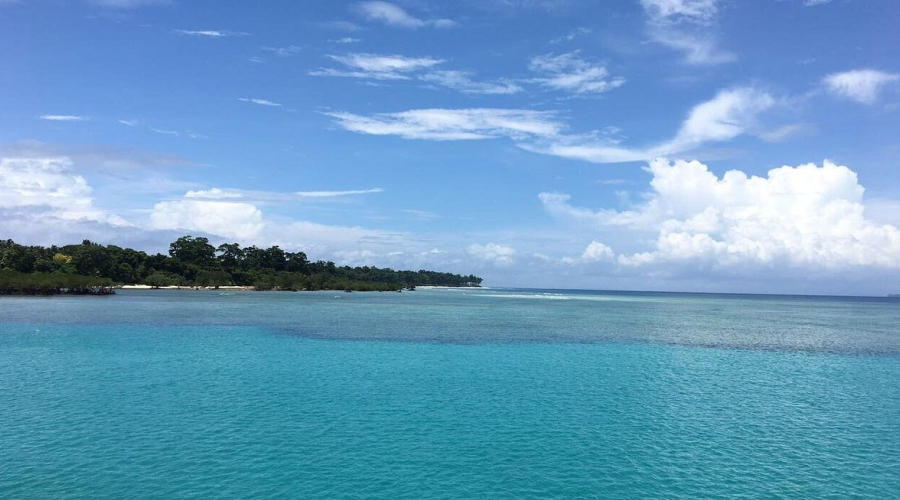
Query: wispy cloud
x=128, y=4
x=214, y=194
x=397, y=67
x=286, y=51
x=335, y=194
x=273, y=196
x=686, y=26
x=346, y=39
x=377, y=67
x=212, y=33
x=394, y=15
x=569, y=72
x=731, y=113
x=572, y=35
x=261, y=102
x=454, y=124
x=463, y=82
x=423, y=215
x=861, y=85
x=130, y=123
x=178, y=133
x=63, y=118
x=341, y=25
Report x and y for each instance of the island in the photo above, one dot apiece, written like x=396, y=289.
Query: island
x=90, y=268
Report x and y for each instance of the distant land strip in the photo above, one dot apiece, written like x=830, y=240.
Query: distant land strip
x=93, y=269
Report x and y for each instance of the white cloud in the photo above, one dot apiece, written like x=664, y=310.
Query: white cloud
x=378, y=67
x=230, y=219
x=571, y=35
x=729, y=114
x=394, y=15
x=345, y=39
x=397, y=67
x=684, y=25
x=698, y=48
x=597, y=252
x=463, y=82
x=287, y=51
x=214, y=194
x=423, y=215
x=129, y=4
x=335, y=194
x=177, y=133
x=261, y=102
x=454, y=124
x=130, y=123
x=212, y=33
x=492, y=253
x=63, y=118
x=861, y=85
x=48, y=187
x=693, y=10
x=570, y=73
x=805, y=217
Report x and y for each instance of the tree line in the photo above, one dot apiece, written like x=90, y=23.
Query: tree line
x=193, y=261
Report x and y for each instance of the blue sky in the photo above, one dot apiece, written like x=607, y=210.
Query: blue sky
x=707, y=145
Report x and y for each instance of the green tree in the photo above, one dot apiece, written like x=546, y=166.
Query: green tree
x=190, y=250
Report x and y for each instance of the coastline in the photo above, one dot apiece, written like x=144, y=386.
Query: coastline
x=234, y=288
x=197, y=288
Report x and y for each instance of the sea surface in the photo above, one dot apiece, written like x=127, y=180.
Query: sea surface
x=449, y=394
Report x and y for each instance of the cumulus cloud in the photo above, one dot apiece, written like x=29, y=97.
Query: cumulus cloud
x=453, y=124
x=235, y=220
x=394, y=15
x=685, y=26
x=48, y=187
x=807, y=216
x=861, y=85
x=597, y=252
x=492, y=253
x=569, y=72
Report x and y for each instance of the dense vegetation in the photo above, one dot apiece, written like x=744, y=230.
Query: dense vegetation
x=195, y=262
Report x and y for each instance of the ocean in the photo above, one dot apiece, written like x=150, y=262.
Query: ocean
x=449, y=394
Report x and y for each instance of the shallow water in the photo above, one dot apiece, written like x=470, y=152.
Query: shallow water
x=449, y=394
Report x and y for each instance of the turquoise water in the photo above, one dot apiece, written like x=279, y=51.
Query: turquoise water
x=449, y=394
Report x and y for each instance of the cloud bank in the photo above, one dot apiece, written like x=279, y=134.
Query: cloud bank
x=809, y=217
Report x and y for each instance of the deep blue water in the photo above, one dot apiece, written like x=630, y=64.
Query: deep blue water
x=449, y=394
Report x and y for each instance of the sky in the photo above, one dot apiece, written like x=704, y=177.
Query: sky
x=677, y=145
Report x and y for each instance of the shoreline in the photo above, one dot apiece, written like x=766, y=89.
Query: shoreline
x=234, y=288
x=186, y=287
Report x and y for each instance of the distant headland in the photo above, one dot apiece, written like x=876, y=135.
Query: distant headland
x=93, y=269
